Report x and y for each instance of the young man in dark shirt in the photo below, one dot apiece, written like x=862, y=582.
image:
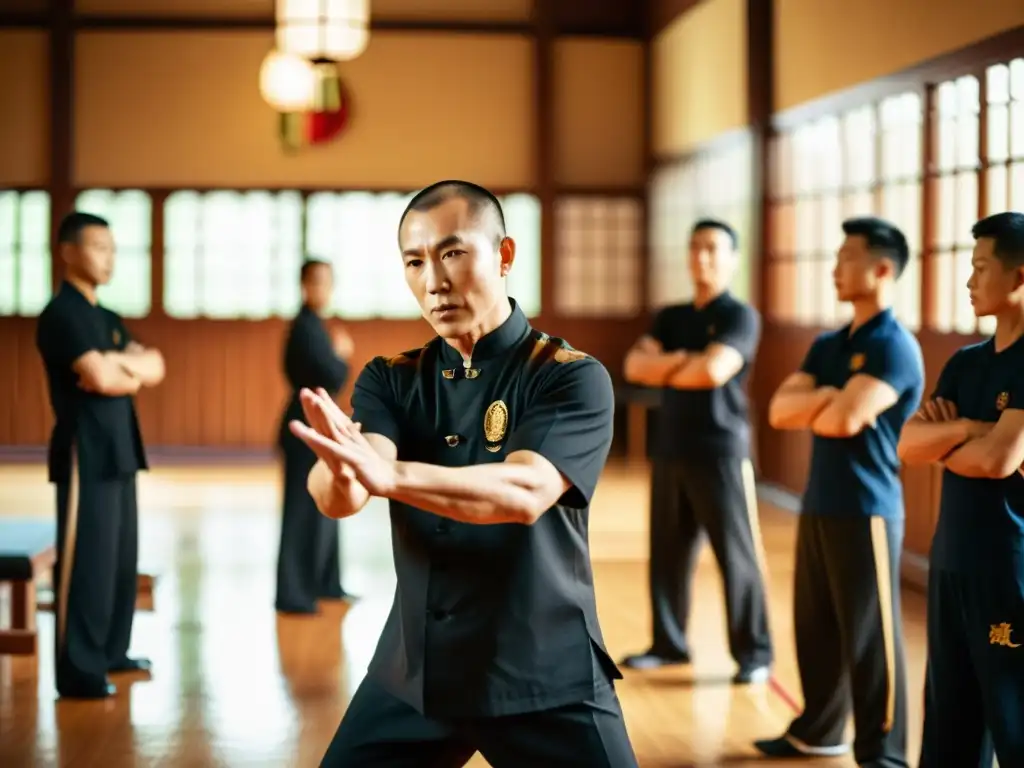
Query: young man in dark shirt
x=488, y=442
x=93, y=368
x=702, y=480
x=309, y=561
x=857, y=386
x=973, y=425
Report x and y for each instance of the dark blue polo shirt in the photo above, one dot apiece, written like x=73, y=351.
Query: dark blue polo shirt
x=501, y=619
x=860, y=475
x=706, y=423
x=101, y=431
x=979, y=518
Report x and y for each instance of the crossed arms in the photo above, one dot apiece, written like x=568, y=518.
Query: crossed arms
x=827, y=411
x=119, y=373
x=936, y=434
x=648, y=364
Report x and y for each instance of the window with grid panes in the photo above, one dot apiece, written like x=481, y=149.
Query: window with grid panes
x=232, y=255
x=130, y=215
x=358, y=233
x=1003, y=163
x=955, y=184
x=716, y=184
x=25, y=262
x=597, y=272
x=901, y=120
x=866, y=161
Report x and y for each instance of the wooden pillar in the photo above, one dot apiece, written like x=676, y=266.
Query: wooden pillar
x=760, y=106
x=544, y=33
x=62, y=114
x=760, y=103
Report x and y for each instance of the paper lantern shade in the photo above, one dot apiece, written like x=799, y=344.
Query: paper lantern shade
x=287, y=82
x=331, y=30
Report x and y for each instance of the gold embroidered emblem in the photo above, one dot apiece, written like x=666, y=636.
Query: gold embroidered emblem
x=452, y=440
x=495, y=422
x=1002, y=401
x=564, y=355
x=117, y=337
x=999, y=634
x=448, y=373
x=472, y=373
x=857, y=362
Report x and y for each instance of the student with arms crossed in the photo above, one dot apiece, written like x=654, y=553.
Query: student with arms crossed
x=974, y=426
x=856, y=388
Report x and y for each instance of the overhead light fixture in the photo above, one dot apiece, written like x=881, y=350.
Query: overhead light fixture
x=288, y=83
x=323, y=30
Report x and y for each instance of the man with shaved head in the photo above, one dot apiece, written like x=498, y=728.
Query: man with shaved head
x=488, y=443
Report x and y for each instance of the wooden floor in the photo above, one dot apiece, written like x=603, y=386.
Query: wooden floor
x=236, y=686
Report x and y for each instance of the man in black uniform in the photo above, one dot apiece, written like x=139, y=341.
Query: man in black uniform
x=974, y=426
x=93, y=368
x=702, y=479
x=488, y=442
x=308, y=562
x=857, y=387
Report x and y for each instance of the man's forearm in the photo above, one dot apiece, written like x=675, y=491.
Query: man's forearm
x=147, y=366
x=927, y=442
x=483, y=494
x=696, y=373
x=977, y=458
x=798, y=409
x=651, y=368
x=335, y=497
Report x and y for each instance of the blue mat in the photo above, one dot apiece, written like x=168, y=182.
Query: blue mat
x=20, y=541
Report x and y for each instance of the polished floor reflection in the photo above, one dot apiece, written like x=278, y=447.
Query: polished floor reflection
x=235, y=685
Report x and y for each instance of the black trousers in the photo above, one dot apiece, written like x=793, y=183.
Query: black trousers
x=849, y=636
x=381, y=731
x=95, y=577
x=308, y=561
x=716, y=496
x=974, y=684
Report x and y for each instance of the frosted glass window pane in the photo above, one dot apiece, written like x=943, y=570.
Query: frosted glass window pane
x=25, y=261
x=945, y=279
x=523, y=225
x=232, y=255
x=963, y=313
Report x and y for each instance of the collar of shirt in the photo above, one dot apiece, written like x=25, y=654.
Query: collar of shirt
x=496, y=343
x=73, y=292
x=864, y=330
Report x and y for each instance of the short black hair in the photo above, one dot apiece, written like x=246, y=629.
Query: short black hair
x=1007, y=230
x=71, y=226
x=309, y=265
x=719, y=225
x=881, y=236
x=480, y=200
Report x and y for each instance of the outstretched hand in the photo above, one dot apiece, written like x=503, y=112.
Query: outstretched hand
x=341, y=445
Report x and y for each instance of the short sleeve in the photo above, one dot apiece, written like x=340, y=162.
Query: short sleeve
x=946, y=388
x=741, y=330
x=123, y=336
x=373, y=402
x=812, y=360
x=62, y=338
x=658, y=329
x=569, y=423
x=896, y=363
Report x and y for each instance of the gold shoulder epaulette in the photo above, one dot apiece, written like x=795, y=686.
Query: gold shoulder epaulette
x=405, y=358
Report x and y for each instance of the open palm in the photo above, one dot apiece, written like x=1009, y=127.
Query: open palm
x=335, y=439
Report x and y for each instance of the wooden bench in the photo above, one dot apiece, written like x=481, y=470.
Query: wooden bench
x=28, y=550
